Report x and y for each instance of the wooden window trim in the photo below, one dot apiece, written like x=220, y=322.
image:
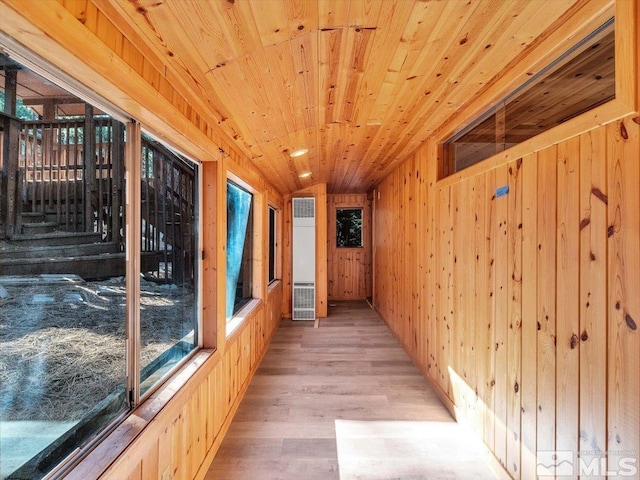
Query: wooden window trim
x=233, y=324
x=625, y=103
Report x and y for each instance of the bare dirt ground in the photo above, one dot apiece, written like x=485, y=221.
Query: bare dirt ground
x=62, y=342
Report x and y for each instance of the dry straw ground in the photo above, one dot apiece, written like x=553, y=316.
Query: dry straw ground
x=60, y=357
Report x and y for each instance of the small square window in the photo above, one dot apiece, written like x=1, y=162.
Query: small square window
x=349, y=227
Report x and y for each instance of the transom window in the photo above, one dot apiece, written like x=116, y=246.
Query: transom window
x=579, y=80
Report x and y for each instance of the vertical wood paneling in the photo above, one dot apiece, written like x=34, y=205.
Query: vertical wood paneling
x=501, y=314
x=546, y=305
x=150, y=464
x=531, y=290
x=623, y=391
x=348, y=269
x=468, y=301
x=456, y=321
x=489, y=245
x=446, y=309
x=593, y=292
x=529, y=384
x=568, y=294
x=514, y=317
x=481, y=342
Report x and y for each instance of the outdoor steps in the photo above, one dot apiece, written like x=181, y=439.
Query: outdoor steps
x=36, y=222
x=60, y=251
x=33, y=217
x=89, y=267
x=83, y=254
x=39, y=227
x=55, y=238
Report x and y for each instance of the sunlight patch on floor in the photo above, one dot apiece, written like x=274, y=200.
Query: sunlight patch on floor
x=408, y=450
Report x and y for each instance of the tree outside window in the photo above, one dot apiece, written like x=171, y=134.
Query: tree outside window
x=349, y=227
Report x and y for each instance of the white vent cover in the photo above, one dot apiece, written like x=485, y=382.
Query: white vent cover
x=304, y=301
x=304, y=259
x=304, y=208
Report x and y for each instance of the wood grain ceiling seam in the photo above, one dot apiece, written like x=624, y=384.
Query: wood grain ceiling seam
x=406, y=146
x=127, y=16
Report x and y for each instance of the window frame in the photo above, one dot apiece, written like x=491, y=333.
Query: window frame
x=362, y=223
x=232, y=323
x=449, y=162
x=273, y=271
x=624, y=103
x=248, y=236
x=132, y=208
x=198, y=342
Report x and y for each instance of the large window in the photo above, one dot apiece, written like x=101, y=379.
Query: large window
x=78, y=349
x=239, y=247
x=349, y=227
x=273, y=244
x=581, y=79
x=168, y=313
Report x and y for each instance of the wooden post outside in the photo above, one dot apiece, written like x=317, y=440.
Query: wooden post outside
x=10, y=89
x=117, y=180
x=89, y=170
x=10, y=153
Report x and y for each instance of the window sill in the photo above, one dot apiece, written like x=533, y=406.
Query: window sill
x=238, y=319
x=273, y=285
x=142, y=420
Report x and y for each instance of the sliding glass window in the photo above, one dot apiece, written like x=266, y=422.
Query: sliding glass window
x=168, y=262
x=62, y=282
x=98, y=290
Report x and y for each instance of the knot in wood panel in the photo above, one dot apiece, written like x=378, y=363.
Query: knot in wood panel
x=574, y=341
x=623, y=131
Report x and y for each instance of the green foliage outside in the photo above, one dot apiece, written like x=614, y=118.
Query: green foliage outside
x=349, y=227
x=22, y=111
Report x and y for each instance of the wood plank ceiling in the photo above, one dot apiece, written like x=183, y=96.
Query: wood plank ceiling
x=360, y=83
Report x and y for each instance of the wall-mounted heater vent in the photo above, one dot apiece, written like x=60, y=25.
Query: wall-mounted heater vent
x=304, y=301
x=304, y=259
x=304, y=208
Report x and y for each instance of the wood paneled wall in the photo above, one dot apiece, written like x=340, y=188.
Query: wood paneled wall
x=523, y=310
x=349, y=269
x=175, y=433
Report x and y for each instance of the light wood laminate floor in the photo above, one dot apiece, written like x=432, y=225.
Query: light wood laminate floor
x=343, y=401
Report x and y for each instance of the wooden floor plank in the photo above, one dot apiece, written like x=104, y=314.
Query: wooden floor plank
x=325, y=401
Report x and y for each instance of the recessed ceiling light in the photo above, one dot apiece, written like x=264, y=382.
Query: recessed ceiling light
x=305, y=174
x=299, y=152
